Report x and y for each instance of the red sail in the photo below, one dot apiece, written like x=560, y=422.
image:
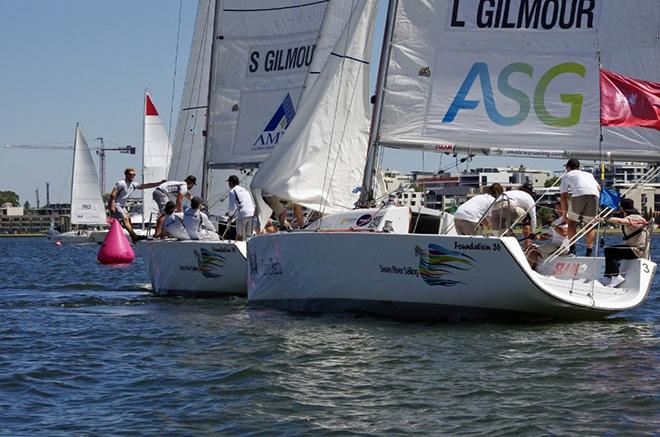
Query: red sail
x=625, y=101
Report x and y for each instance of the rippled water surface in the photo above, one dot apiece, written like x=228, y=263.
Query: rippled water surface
x=86, y=350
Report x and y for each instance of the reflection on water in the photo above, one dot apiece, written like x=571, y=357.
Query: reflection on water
x=83, y=347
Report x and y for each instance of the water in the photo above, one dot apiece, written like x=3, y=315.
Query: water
x=86, y=350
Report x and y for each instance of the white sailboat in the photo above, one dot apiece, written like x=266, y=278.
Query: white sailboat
x=87, y=207
x=256, y=60
x=465, y=77
x=156, y=158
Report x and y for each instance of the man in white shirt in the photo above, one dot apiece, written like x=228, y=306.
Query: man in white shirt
x=122, y=190
x=468, y=215
x=197, y=223
x=171, y=191
x=585, y=192
x=241, y=208
x=173, y=225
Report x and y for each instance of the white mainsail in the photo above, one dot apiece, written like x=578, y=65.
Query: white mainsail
x=262, y=55
x=86, y=202
x=157, y=154
x=188, y=147
x=527, y=76
x=319, y=163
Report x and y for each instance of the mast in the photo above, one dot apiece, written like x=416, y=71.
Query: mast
x=144, y=150
x=370, y=167
x=206, y=171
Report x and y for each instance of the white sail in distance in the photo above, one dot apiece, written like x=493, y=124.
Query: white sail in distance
x=319, y=162
x=527, y=77
x=157, y=154
x=86, y=201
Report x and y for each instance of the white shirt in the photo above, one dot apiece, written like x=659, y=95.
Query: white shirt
x=240, y=203
x=124, y=191
x=580, y=182
x=173, y=188
x=475, y=208
x=197, y=223
x=523, y=200
x=557, y=238
x=174, y=226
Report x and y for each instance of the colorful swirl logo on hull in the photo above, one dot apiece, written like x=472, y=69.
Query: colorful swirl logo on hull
x=209, y=263
x=438, y=262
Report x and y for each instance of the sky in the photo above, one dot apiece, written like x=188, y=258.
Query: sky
x=88, y=61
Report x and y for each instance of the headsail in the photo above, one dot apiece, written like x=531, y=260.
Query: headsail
x=86, y=202
x=515, y=74
x=157, y=153
x=319, y=163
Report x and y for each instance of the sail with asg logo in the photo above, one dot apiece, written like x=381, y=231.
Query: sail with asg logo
x=496, y=77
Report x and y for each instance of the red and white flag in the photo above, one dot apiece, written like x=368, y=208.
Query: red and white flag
x=625, y=101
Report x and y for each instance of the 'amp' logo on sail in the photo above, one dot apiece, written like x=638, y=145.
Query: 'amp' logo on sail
x=276, y=126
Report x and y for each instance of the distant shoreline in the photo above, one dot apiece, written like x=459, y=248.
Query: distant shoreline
x=21, y=235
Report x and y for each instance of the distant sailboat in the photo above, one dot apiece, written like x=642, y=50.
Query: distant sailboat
x=157, y=154
x=87, y=207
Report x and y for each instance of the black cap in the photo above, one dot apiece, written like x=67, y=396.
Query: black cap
x=528, y=187
x=192, y=179
x=233, y=179
x=572, y=163
x=628, y=206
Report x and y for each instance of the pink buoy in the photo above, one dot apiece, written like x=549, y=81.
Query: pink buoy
x=58, y=243
x=115, y=248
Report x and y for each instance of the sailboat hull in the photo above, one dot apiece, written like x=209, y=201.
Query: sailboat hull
x=196, y=268
x=429, y=277
x=82, y=236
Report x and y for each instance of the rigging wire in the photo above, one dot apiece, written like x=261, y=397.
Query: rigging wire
x=176, y=61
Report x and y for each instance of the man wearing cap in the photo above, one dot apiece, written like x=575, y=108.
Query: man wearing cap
x=635, y=237
x=241, y=208
x=122, y=190
x=585, y=192
x=175, y=191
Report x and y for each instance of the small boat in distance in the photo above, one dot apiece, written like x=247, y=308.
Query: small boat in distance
x=87, y=208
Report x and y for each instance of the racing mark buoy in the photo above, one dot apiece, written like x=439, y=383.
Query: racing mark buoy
x=115, y=248
x=58, y=243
